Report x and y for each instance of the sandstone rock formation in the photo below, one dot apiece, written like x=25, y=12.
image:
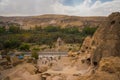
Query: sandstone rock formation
x=110, y=65
x=21, y=72
x=106, y=40
x=109, y=69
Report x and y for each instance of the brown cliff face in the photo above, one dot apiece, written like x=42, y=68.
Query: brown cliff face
x=106, y=40
x=104, y=50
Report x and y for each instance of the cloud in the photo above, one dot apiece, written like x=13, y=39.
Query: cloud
x=98, y=8
x=38, y=7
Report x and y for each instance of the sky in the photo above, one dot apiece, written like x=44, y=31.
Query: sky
x=66, y=7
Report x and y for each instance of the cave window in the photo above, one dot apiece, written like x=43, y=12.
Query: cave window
x=83, y=51
x=95, y=63
x=93, y=42
x=89, y=59
x=86, y=47
x=82, y=61
x=113, y=22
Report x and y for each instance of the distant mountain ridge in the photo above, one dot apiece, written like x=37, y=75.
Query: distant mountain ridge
x=28, y=22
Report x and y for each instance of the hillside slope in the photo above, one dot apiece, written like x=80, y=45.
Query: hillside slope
x=54, y=20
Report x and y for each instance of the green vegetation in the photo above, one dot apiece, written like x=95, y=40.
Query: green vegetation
x=14, y=29
x=16, y=38
x=89, y=30
x=24, y=47
x=35, y=55
x=51, y=29
x=11, y=43
x=2, y=30
x=72, y=30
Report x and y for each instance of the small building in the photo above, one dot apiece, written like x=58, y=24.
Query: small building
x=59, y=42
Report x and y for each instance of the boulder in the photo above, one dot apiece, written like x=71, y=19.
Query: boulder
x=21, y=72
x=110, y=65
x=43, y=68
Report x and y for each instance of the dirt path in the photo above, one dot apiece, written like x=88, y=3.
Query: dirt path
x=68, y=70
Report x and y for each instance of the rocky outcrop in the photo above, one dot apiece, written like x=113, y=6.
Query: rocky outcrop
x=110, y=65
x=21, y=72
x=107, y=38
x=109, y=69
x=86, y=46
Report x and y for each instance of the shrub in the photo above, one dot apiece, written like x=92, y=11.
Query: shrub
x=35, y=54
x=51, y=29
x=14, y=29
x=89, y=30
x=24, y=47
x=72, y=30
x=36, y=49
x=2, y=30
x=11, y=43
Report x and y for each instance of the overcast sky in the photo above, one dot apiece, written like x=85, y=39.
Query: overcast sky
x=69, y=7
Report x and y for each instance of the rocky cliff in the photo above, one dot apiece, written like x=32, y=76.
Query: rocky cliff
x=106, y=40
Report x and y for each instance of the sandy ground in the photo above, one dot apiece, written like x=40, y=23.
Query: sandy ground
x=67, y=70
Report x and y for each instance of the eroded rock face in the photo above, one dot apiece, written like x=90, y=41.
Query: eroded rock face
x=109, y=69
x=86, y=45
x=110, y=65
x=107, y=38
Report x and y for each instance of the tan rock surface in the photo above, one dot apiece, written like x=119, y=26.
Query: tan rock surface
x=109, y=69
x=21, y=72
x=107, y=38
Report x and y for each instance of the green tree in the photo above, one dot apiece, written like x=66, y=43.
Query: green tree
x=72, y=30
x=11, y=44
x=89, y=30
x=38, y=28
x=24, y=47
x=2, y=30
x=14, y=29
x=35, y=54
x=51, y=28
